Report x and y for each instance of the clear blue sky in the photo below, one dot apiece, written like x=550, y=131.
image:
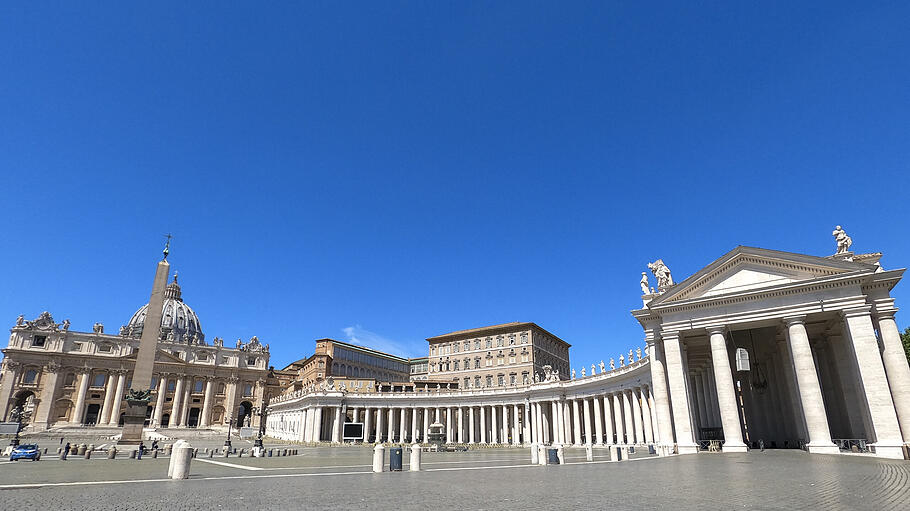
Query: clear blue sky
x=386, y=172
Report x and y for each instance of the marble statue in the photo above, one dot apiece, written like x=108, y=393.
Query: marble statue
x=583, y=372
x=246, y=421
x=622, y=361
x=631, y=353
x=592, y=370
x=20, y=321
x=602, y=367
x=66, y=325
x=644, y=283
x=573, y=374
x=661, y=273
x=843, y=241
x=612, y=364
x=98, y=328
x=638, y=352
x=536, y=378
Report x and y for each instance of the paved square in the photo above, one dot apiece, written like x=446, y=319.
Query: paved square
x=341, y=478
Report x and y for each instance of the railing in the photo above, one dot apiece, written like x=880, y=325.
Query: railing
x=856, y=445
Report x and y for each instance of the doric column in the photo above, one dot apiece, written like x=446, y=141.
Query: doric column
x=355, y=414
x=438, y=417
x=627, y=413
x=636, y=416
x=415, y=431
x=646, y=415
x=505, y=424
x=810, y=393
x=185, y=402
x=426, y=424
x=676, y=381
x=109, y=392
x=726, y=393
x=79, y=410
x=664, y=430
x=471, y=425
x=159, y=400
x=402, y=425
x=460, y=425
x=873, y=380
x=336, y=425
x=598, y=422
x=526, y=424
x=450, y=432
x=516, y=429
x=317, y=424
x=576, y=423
x=608, y=420
x=618, y=418
x=554, y=416
x=483, y=424
x=174, y=419
x=205, y=420
x=896, y=368
x=586, y=415
x=118, y=399
x=367, y=424
x=494, y=434
x=535, y=423
x=391, y=429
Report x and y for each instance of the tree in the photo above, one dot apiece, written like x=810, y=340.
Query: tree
x=905, y=340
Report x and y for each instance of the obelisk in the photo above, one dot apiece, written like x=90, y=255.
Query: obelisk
x=139, y=394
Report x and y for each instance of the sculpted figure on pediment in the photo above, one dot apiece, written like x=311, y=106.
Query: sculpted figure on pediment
x=20, y=321
x=602, y=367
x=644, y=283
x=662, y=274
x=612, y=364
x=622, y=361
x=843, y=241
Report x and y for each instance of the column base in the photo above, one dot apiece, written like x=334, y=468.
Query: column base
x=734, y=448
x=823, y=449
x=687, y=448
x=891, y=451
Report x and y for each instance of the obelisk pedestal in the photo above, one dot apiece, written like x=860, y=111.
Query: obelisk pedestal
x=139, y=395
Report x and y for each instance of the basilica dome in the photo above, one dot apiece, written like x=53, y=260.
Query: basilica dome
x=178, y=321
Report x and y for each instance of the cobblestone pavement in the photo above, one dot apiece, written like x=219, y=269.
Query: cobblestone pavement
x=340, y=478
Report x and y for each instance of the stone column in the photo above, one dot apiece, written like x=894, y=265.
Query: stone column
x=627, y=413
x=664, y=432
x=159, y=401
x=608, y=420
x=205, y=419
x=415, y=430
x=426, y=424
x=646, y=415
x=576, y=420
x=450, y=432
x=505, y=423
x=79, y=411
x=6, y=389
x=617, y=419
x=726, y=393
x=676, y=381
x=554, y=414
x=336, y=425
x=471, y=425
x=355, y=414
x=897, y=369
x=810, y=393
x=636, y=417
x=403, y=425
x=587, y=422
x=494, y=434
x=391, y=430
x=176, y=404
x=109, y=392
x=526, y=424
x=460, y=425
x=598, y=422
x=367, y=424
x=516, y=429
x=118, y=399
x=317, y=424
x=859, y=329
x=483, y=424
x=438, y=416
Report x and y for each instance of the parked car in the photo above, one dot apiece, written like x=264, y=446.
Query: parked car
x=25, y=452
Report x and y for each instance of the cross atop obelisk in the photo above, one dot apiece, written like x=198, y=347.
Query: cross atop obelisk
x=139, y=394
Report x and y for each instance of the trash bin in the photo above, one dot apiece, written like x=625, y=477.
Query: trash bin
x=552, y=457
x=651, y=449
x=395, y=459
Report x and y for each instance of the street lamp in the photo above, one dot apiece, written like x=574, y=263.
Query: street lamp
x=16, y=415
x=227, y=443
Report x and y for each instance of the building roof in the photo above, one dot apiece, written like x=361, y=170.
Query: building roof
x=503, y=327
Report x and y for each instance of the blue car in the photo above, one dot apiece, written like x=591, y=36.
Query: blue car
x=25, y=452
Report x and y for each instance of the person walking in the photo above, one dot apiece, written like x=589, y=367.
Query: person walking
x=141, y=448
x=65, y=452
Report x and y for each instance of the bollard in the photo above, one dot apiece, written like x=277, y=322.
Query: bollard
x=111, y=453
x=378, y=456
x=589, y=452
x=170, y=466
x=74, y=449
x=211, y=453
x=415, y=458
x=241, y=453
x=155, y=453
x=284, y=452
x=541, y=454
x=560, y=454
x=227, y=453
x=133, y=454
x=45, y=450
x=534, y=455
x=195, y=451
x=183, y=456
x=81, y=450
x=270, y=453
x=88, y=454
x=59, y=450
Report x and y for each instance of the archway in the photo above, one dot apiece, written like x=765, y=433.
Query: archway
x=246, y=409
x=25, y=399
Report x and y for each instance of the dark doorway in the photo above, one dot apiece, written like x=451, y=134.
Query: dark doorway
x=165, y=420
x=194, y=418
x=120, y=422
x=91, y=414
x=246, y=409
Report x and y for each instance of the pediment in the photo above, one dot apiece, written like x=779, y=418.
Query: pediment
x=160, y=356
x=746, y=269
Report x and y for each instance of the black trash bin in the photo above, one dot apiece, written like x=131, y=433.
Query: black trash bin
x=395, y=459
x=651, y=449
x=552, y=457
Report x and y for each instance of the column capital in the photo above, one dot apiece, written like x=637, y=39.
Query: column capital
x=864, y=310
x=794, y=320
x=719, y=329
x=669, y=334
x=885, y=314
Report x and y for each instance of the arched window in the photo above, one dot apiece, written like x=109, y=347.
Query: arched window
x=31, y=376
x=98, y=380
x=197, y=387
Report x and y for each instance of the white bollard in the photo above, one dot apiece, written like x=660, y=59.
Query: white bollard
x=542, y=454
x=589, y=452
x=170, y=464
x=378, y=456
x=560, y=455
x=535, y=454
x=183, y=456
x=415, y=458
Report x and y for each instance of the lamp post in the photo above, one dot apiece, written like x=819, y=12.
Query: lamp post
x=227, y=443
x=16, y=415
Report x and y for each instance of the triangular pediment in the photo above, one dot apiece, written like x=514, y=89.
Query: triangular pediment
x=746, y=269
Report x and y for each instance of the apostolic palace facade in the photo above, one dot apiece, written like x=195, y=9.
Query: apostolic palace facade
x=760, y=348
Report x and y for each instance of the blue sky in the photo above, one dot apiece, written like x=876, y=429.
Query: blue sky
x=385, y=172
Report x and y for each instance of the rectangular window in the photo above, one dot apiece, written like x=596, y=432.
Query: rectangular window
x=77, y=346
x=247, y=390
x=476, y=363
x=477, y=381
x=39, y=340
x=197, y=387
x=456, y=365
x=251, y=361
x=524, y=357
x=499, y=341
x=489, y=362
x=489, y=381
x=98, y=380
x=511, y=379
x=105, y=348
x=467, y=345
x=511, y=359
x=477, y=344
x=171, y=385
x=467, y=382
x=489, y=342
x=500, y=361
x=500, y=380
